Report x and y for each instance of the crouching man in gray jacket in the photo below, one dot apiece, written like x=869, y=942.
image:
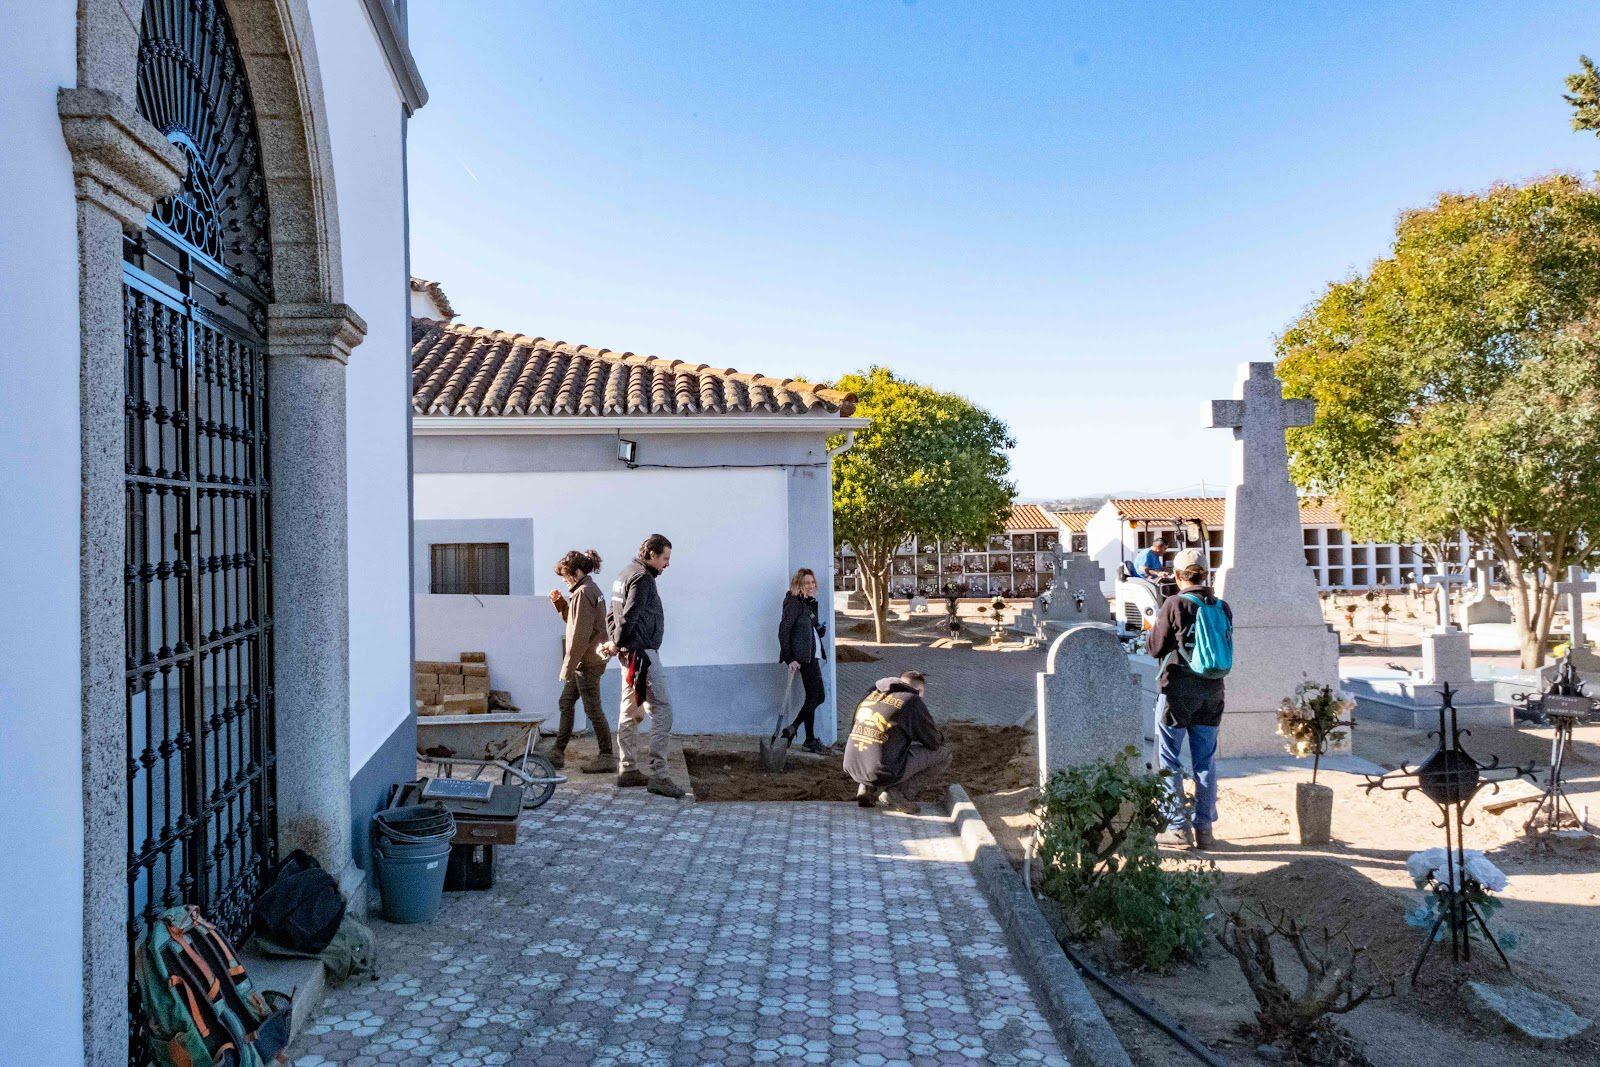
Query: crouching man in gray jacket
x=637, y=626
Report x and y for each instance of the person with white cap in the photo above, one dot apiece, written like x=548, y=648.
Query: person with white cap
x=1193, y=639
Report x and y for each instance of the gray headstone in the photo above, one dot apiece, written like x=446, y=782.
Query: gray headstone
x=1089, y=706
x=1531, y=1014
x=1483, y=607
x=1076, y=596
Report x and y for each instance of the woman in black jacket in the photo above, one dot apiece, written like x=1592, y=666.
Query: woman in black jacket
x=800, y=645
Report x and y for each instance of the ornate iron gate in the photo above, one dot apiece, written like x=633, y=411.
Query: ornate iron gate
x=199, y=604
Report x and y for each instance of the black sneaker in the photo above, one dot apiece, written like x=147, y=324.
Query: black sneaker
x=630, y=778
x=865, y=797
x=815, y=747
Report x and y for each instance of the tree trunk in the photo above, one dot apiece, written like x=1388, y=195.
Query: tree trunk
x=880, y=605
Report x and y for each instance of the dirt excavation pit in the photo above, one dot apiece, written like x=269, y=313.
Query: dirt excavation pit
x=988, y=759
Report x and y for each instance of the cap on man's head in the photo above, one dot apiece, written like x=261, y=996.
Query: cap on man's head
x=1189, y=559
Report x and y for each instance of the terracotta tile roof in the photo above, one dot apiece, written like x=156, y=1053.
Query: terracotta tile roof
x=1028, y=517
x=468, y=370
x=423, y=285
x=1073, y=521
x=1211, y=510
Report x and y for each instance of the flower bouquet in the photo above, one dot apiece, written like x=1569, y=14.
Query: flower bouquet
x=1470, y=889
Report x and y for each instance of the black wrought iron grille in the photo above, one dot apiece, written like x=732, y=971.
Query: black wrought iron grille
x=196, y=283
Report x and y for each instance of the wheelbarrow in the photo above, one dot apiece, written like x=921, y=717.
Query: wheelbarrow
x=504, y=742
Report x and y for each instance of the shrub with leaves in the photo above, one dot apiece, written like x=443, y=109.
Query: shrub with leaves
x=1099, y=860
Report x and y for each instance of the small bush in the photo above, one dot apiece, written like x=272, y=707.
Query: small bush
x=1098, y=859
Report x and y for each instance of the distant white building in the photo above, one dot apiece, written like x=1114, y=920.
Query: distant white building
x=429, y=302
x=1015, y=563
x=518, y=458
x=1121, y=527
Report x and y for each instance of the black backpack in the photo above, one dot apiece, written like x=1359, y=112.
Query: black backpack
x=301, y=909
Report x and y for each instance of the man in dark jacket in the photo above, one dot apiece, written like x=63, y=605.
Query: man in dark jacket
x=894, y=745
x=637, y=626
x=1189, y=706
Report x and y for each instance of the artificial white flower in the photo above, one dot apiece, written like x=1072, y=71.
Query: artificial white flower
x=1433, y=864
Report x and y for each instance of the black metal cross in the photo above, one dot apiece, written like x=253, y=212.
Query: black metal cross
x=1451, y=777
x=1563, y=705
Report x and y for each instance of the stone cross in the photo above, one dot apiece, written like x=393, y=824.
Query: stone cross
x=1263, y=566
x=1574, y=588
x=1443, y=582
x=1483, y=607
x=1483, y=567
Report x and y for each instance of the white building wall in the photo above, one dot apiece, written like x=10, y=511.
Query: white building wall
x=1105, y=532
x=723, y=592
x=364, y=127
x=41, y=747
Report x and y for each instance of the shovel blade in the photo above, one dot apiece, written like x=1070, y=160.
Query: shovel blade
x=774, y=754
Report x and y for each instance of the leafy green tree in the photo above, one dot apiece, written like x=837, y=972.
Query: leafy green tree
x=1458, y=386
x=931, y=465
x=1584, y=96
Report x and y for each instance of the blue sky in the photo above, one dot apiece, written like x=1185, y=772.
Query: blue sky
x=1083, y=216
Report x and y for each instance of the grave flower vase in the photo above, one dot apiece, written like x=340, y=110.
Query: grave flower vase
x=1313, y=813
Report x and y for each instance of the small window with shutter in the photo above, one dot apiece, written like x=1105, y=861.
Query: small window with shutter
x=483, y=569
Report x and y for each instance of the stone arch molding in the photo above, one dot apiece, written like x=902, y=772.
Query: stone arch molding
x=121, y=166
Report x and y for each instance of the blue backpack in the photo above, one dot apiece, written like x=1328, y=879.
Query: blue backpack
x=1211, y=652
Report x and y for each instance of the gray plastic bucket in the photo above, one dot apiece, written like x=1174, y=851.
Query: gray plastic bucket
x=412, y=884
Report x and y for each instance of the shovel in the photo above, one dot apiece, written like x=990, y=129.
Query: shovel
x=775, y=749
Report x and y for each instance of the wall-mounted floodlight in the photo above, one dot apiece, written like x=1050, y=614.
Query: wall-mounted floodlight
x=627, y=451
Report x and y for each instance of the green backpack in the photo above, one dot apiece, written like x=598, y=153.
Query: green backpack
x=200, y=1009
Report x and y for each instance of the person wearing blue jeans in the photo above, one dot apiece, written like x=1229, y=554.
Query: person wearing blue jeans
x=1189, y=708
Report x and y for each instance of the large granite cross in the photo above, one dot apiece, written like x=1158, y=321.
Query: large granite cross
x=1264, y=554
x=1574, y=588
x=1443, y=582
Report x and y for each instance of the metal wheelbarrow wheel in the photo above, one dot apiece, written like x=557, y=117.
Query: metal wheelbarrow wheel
x=538, y=778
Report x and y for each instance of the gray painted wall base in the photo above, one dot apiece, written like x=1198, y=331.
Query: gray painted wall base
x=395, y=761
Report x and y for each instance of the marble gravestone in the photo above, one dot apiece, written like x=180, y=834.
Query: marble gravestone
x=1089, y=706
x=1280, y=638
x=1075, y=597
x=1483, y=607
x=1446, y=652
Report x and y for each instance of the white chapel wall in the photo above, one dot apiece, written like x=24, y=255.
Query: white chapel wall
x=364, y=125
x=41, y=880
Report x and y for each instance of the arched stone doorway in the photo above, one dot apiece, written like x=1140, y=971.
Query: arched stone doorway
x=265, y=304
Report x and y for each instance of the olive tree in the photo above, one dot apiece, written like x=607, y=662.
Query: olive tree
x=931, y=465
x=1458, y=386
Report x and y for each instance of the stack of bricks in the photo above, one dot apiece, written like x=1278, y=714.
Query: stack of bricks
x=445, y=688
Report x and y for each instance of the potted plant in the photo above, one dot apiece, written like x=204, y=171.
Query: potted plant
x=1311, y=721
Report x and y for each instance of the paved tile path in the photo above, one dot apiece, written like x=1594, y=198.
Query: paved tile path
x=628, y=929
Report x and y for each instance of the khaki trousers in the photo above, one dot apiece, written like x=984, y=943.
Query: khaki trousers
x=658, y=706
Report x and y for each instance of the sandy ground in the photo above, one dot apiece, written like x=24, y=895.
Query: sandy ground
x=1359, y=881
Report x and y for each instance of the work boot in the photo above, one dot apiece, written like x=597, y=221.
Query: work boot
x=662, y=785
x=604, y=763
x=631, y=777
x=1177, y=837
x=815, y=747
x=1202, y=836
x=865, y=798
x=558, y=758
x=895, y=800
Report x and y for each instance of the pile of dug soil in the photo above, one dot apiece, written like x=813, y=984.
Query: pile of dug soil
x=988, y=759
x=854, y=654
